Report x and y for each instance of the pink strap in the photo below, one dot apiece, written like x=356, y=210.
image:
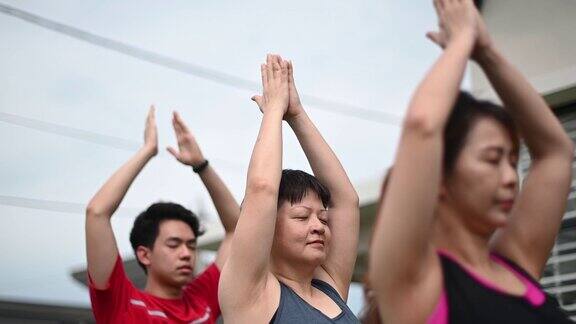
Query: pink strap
x=533, y=294
x=440, y=314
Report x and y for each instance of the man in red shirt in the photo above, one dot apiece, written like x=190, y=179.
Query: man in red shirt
x=164, y=239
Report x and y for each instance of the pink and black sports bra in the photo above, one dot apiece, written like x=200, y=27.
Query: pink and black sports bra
x=469, y=298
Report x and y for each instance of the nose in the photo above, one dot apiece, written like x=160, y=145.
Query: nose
x=317, y=226
x=184, y=252
x=510, y=176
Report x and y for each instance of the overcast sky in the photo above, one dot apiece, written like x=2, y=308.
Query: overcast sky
x=55, y=89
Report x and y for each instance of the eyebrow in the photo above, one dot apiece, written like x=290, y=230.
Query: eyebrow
x=309, y=208
x=496, y=148
x=177, y=239
x=500, y=150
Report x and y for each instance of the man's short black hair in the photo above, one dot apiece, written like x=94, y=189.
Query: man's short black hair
x=147, y=224
x=294, y=185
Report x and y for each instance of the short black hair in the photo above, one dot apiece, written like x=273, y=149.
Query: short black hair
x=466, y=113
x=479, y=4
x=147, y=224
x=294, y=185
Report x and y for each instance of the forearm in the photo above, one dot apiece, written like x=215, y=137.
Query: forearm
x=108, y=198
x=255, y=230
x=265, y=168
x=401, y=245
x=226, y=206
x=541, y=130
x=432, y=101
x=263, y=179
x=404, y=229
x=323, y=160
x=101, y=249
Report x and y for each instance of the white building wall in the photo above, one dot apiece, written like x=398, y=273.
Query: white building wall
x=538, y=36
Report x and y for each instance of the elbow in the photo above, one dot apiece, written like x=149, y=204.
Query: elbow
x=93, y=210
x=345, y=199
x=259, y=186
x=422, y=125
x=562, y=150
x=563, y=146
x=354, y=199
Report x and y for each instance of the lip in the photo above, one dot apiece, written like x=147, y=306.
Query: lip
x=316, y=242
x=507, y=204
x=187, y=269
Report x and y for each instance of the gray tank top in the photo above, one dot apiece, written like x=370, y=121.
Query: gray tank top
x=294, y=309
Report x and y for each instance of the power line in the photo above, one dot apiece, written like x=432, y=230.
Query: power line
x=55, y=206
x=84, y=135
x=193, y=69
x=76, y=208
x=92, y=137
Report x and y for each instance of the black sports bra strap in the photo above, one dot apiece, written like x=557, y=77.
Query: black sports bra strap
x=328, y=290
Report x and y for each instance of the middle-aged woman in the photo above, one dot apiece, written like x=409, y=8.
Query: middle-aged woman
x=295, y=244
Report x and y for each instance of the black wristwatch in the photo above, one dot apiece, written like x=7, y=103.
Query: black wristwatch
x=200, y=167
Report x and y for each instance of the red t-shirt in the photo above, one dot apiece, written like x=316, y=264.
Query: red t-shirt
x=121, y=302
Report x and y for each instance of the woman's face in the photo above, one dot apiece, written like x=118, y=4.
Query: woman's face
x=484, y=182
x=302, y=231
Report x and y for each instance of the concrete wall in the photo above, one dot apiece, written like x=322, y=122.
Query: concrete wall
x=538, y=36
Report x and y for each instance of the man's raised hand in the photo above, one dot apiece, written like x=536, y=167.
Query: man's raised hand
x=188, y=152
x=151, y=133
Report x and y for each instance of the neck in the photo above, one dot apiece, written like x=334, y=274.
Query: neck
x=158, y=289
x=453, y=234
x=295, y=275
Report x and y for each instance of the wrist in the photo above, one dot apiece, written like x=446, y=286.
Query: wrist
x=463, y=38
x=462, y=44
x=149, y=150
x=274, y=110
x=199, y=167
x=485, y=56
x=294, y=111
x=297, y=118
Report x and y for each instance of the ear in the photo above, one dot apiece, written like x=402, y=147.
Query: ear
x=144, y=255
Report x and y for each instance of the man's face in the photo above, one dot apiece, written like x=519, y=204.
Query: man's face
x=172, y=258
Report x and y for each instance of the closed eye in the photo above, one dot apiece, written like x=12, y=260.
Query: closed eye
x=494, y=161
x=514, y=161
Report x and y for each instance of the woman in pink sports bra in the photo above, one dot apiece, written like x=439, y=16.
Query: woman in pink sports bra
x=456, y=241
